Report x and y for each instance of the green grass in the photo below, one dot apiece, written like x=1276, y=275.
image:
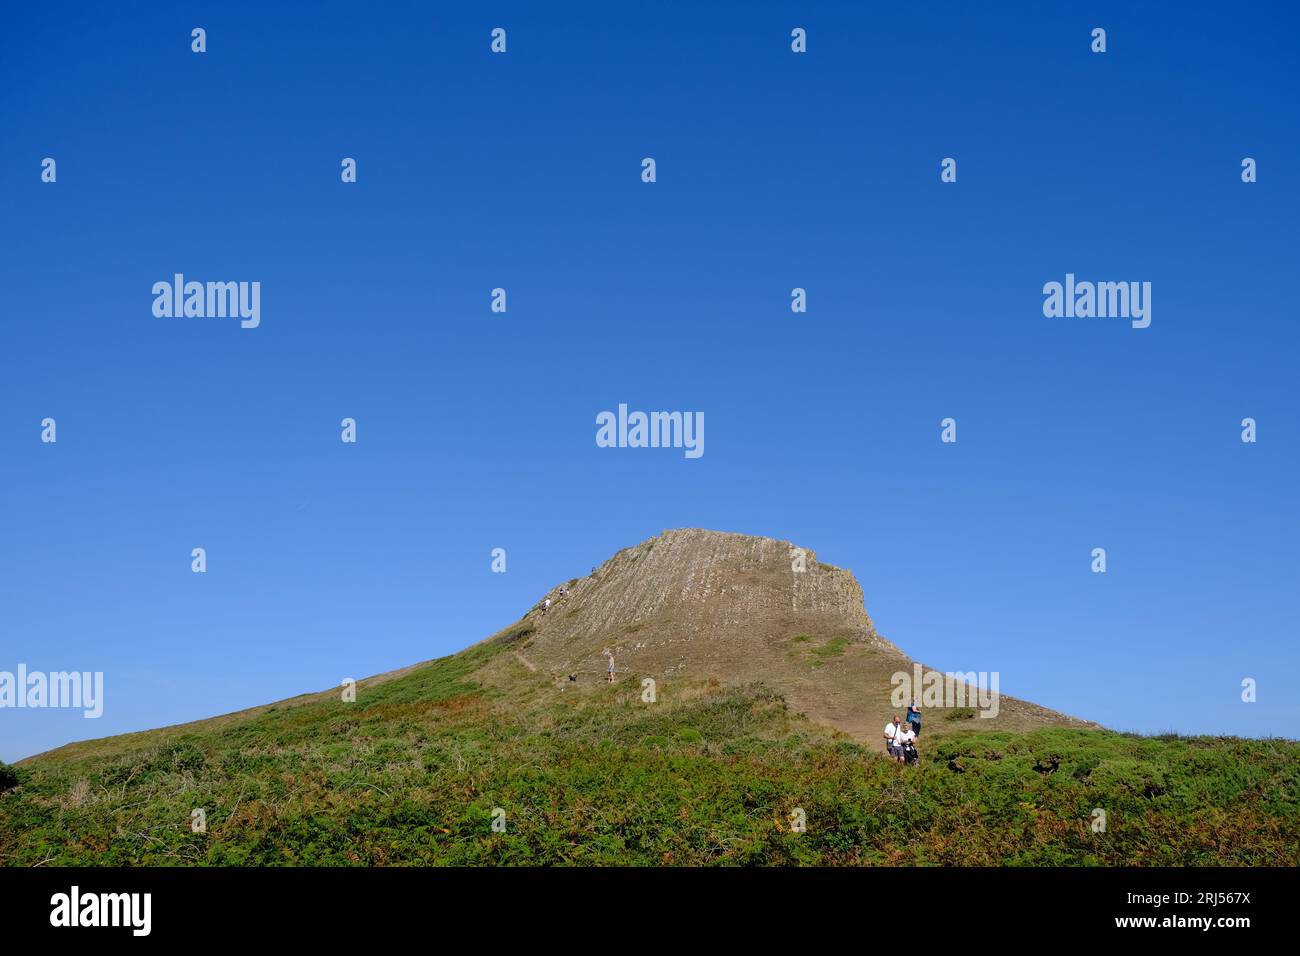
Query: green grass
x=832, y=648
x=411, y=773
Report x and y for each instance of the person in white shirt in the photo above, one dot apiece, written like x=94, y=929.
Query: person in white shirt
x=902, y=738
x=891, y=738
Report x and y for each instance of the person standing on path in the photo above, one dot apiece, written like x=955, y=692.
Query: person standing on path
x=891, y=738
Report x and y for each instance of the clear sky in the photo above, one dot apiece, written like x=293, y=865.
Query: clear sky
x=476, y=430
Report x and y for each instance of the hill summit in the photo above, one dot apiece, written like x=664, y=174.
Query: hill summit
x=698, y=605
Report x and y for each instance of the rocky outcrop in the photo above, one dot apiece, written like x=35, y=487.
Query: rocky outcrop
x=698, y=605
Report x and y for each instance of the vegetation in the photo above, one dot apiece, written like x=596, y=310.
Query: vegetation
x=832, y=648
x=412, y=771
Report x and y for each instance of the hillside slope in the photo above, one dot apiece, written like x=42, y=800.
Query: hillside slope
x=717, y=768
x=417, y=770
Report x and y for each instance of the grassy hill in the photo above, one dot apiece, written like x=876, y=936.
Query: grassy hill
x=412, y=771
x=772, y=687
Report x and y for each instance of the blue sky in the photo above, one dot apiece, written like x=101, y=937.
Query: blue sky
x=476, y=430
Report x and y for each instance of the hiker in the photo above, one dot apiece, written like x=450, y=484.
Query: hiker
x=904, y=740
x=914, y=718
x=546, y=605
x=891, y=738
x=563, y=591
x=610, y=655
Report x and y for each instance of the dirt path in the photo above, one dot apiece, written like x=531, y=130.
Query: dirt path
x=526, y=662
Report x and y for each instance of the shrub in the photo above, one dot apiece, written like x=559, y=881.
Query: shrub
x=1129, y=776
x=178, y=758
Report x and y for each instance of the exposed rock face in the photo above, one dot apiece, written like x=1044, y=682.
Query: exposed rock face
x=694, y=593
x=696, y=605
